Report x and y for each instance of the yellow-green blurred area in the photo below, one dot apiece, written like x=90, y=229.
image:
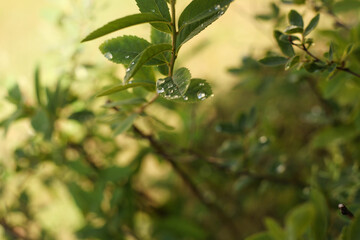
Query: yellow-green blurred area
x=255, y=149
x=45, y=33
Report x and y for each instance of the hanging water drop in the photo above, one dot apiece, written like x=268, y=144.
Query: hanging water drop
x=217, y=7
x=132, y=63
x=201, y=95
x=127, y=56
x=186, y=98
x=153, y=10
x=128, y=70
x=201, y=84
x=108, y=55
x=161, y=90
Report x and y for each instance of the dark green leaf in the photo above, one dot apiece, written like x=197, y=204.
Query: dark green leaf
x=122, y=87
x=319, y=226
x=273, y=61
x=299, y=220
x=312, y=25
x=125, y=22
x=197, y=16
x=144, y=57
x=41, y=123
x=14, y=95
x=354, y=229
x=126, y=48
x=349, y=48
x=331, y=52
x=38, y=85
x=293, y=29
x=158, y=7
x=176, y=85
x=115, y=174
x=158, y=37
x=292, y=62
x=315, y=66
x=82, y=116
x=285, y=46
x=125, y=124
x=295, y=19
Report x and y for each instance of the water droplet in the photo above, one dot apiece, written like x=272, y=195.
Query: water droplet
x=161, y=90
x=201, y=84
x=186, y=98
x=263, y=139
x=202, y=25
x=170, y=85
x=217, y=7
x=171, y=91
x=108, y=55
x=127, y=56
x=281, y=168
x=130, y=82
x=132, y=63
x=201, y=95
x=128, y=70
x=161, y=81
x=153, y=10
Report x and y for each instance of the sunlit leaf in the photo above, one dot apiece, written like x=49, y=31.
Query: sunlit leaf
x=312, y=25
x=295, y=19
x=285, y=46
x=125, y=22
x=144, y=57
x=158, y=7
x=125, y=124
x=273, y=61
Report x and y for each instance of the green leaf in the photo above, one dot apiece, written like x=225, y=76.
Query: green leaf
x=299, y=220
x=123, y=49
x=125, y=22
x=260, y=236
x=158, y=37
x=320, y=224
x=41, y=123
x=273, y=61
x=348, y=50
x=292, y=62
x=346, y=5
x=82, y=116
x=122, y=87
x=158, y=7
x=275, y=229
x=353, y=232
x=285, y=46
x=315, y=66
x=333, y=86
x=312, y=25
x=14, y=95
x=328, y=136
x=331, y=52
x=197, y=90
x=125, y=124
x=144, y=57
x=295, y=19
x=197, y=16
x=293, y=29
x=115, y=174
x=38, y=85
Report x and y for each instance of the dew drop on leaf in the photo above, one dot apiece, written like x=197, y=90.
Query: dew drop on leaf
x=217, y=7
x=108, y=55
x=201, y=95
x=161, y=90
x=128, y=70
x=127, y=56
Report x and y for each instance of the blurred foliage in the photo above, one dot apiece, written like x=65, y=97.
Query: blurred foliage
x=270, y=159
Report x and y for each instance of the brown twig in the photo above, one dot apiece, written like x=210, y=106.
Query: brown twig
x=189, y=182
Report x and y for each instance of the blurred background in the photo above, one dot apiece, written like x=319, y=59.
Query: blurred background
x=256, y=149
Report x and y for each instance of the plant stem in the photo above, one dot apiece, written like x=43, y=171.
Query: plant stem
x=174, y=35
x=212, y=206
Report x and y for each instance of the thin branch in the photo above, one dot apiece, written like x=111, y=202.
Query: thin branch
x=189, y=182
x=341, y=68
x=174, y=36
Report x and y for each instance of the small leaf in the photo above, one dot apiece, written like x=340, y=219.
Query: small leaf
x=197, y=16
x=122, y=87
x=181, y=79
x=292, y=62
x=295, y=19
x=144, y=57
x=158, y=7
x=124, y=49
x=312, y=25
x=299, y=220
x=285, y=46
x=331, y=52
x=320, y=224
x=14, y=95
x=125, y=124
x=82, y=116
x=38, y=85
x=349, y=48
x=273, y=61
x=125, y=22
x=41, y=123
x=275, y=229
x=293, y=29
x=315, y=66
